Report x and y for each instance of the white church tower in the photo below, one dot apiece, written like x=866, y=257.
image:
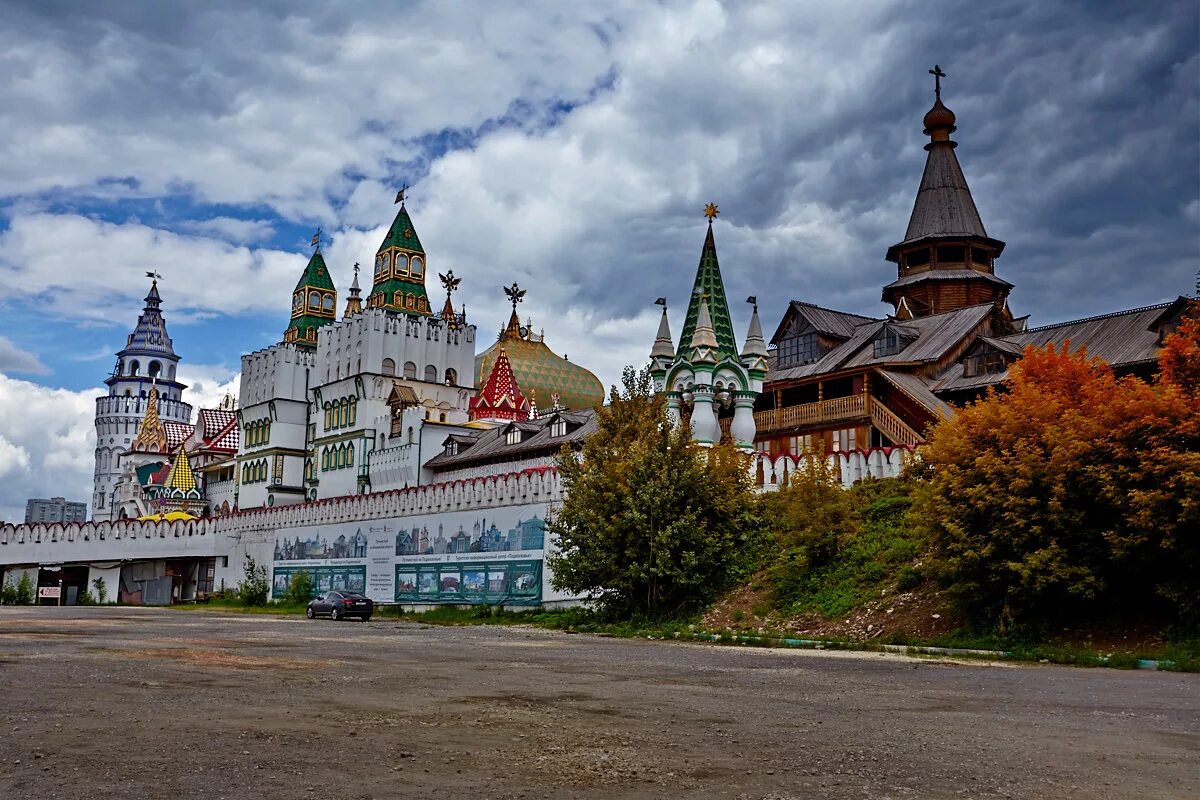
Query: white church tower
x=148, y=359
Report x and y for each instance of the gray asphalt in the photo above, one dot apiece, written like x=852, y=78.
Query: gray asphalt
x=139, y=703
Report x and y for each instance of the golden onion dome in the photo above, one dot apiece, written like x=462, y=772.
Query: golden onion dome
x=540, y=372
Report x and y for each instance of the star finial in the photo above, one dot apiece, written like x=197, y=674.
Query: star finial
x=711, y=211
x=937, y=74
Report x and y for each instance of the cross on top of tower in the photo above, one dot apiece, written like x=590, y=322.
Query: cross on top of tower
x=937, y=74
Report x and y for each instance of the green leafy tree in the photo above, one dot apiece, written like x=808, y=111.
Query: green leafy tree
x=253, y=591
x=25, y=590
x=299, y=590
x=8, y=593
x=652, y=524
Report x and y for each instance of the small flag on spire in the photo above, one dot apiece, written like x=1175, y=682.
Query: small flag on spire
x=662, y=301
x=316, y=240
x=752, y=300
x=400, y=195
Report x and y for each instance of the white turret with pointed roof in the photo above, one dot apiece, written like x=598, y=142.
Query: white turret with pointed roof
x=147, y=364
x=704, y=377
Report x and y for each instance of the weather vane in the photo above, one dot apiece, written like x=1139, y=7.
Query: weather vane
x=515, y=295
x=711, y=211
x=400, y=195
x=356, y=269
x=937, y=74
x=154, y=276
x=449, y=281
x=316, y=240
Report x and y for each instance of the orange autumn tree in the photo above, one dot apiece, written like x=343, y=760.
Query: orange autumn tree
x=1072, y=495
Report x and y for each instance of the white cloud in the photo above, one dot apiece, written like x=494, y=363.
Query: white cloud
x=47, y=444
x=238, y=231
x=95, y=270
x=207, y=384
x=14, y=359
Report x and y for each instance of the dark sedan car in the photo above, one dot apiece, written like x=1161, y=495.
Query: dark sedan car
x=341, y=604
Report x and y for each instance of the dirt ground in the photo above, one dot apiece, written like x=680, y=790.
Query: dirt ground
x=132, y=703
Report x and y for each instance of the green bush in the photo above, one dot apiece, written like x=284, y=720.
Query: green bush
x=25, y=591
x=838, y=548
x=101, y=590
x=85, y=598
x=8, y=593
x=254, y=590
x=299, y=590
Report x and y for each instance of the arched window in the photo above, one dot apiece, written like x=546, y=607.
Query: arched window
x=350, y=455
x=327, y=303
x=171, y=372
x=431, y=373
x=379, y=262
x=418, y=267
x=328, y=417
x=353, y=410
x=314, y=300
x=389, y=367
x=451, y=377
x=298, y=301
x=442, y=417
x=410, y=370
x=401, y=264
x=410, y=434
x=134, y=368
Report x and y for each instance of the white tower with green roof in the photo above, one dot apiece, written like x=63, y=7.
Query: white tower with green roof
x=705, y=379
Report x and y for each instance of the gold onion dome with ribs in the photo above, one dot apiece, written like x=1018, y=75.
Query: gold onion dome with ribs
x=539, y=371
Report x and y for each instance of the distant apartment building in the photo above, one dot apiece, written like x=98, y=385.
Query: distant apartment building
x=56, y=509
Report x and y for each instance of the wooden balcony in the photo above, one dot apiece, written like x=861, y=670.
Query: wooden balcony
x=812, y=415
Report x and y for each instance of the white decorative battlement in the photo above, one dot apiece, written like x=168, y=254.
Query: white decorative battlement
x=106, y=541
x=772, y=471
x=534, y=485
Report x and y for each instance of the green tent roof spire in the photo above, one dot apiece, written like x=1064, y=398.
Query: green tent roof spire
x=709, y=286
x=314, y=302
x=402, y=234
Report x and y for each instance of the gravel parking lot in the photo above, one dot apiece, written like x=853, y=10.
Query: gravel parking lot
x=139, y=703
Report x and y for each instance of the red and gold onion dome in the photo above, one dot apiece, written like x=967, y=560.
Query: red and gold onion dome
x=541, y=373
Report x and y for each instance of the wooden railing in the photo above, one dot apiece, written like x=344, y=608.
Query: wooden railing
x=819, y=413
x=893, y=427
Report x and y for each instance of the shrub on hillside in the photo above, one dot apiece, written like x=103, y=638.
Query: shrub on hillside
x=1072, y=495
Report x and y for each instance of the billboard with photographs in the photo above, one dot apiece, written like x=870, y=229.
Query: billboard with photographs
x=493, y=556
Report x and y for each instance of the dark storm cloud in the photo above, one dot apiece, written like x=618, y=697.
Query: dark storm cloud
x=573, y=147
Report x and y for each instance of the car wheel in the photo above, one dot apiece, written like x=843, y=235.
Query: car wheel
x=335, y=615
x=366, y=618
x=308, y=612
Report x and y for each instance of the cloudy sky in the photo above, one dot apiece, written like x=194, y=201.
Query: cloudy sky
x=564, y=145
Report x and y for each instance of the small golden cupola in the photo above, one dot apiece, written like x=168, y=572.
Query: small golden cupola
x=314, y=300
x=400, y=268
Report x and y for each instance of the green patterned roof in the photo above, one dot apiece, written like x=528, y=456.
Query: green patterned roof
x=383, y=295
x=402, y=234
x=540, y=373
x=708, y=282
x=303, y=329
x=316, y=274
